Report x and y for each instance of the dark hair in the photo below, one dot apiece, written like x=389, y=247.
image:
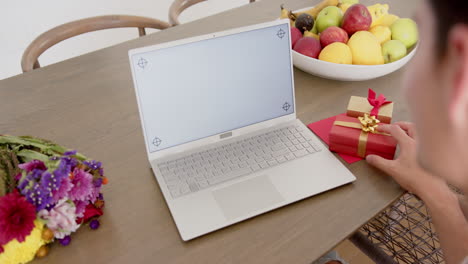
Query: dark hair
x=447, y=14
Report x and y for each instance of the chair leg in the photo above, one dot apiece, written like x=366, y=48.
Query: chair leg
x=370, y=249
x=36, y=65
x=141, y=32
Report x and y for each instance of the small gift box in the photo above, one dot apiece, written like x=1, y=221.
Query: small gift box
x=372, y=105
x=359, y=137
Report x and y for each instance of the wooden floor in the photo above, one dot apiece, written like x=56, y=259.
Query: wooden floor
x=352, y=254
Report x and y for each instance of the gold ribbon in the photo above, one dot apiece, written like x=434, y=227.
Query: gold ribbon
x=368, y=124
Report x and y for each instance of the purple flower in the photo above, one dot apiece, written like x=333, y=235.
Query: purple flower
x=69, y=153
x=82, y=185
x=65, y=241
x=63, y=190
x=38, y=196
x=63, y=169
x=94, y=224
x=69, y=161
x=37, y=187
x=97, y=183
x=33, y=164
x=22, y=184
x=94, y=165
x=50, y=182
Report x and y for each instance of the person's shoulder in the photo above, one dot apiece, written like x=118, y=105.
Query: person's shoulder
x=465, y=261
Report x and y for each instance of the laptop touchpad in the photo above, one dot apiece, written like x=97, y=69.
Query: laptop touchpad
x=247, y=197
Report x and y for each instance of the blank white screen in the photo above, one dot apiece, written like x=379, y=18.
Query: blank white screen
x=208, y=87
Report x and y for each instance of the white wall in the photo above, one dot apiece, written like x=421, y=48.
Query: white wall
x=21, y=21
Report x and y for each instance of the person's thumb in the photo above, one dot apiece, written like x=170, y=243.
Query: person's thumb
x=380, y=163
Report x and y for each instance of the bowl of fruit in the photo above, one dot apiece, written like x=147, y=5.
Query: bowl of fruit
x=347, y=41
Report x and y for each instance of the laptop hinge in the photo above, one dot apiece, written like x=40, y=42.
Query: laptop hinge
x=225, y=135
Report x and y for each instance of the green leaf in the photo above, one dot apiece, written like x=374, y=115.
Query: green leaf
x=42, y=147
x=8, y=170
x=29, y=155
x=3, y=182
x=18, y=141
x=52, y=164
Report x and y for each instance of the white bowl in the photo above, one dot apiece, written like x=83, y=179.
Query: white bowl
x=346, y=72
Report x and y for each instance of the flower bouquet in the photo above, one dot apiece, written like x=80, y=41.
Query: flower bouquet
x=46, y=193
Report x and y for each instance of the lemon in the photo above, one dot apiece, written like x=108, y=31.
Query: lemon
x=337, y=52
x=382, y=33
x=365, y=49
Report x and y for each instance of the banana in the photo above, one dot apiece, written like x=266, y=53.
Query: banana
x=311, y=34
x=345, y=4
x=378, y=11
x=314, y=11
x=285, y=13
x=344, y=7
x=388, y=19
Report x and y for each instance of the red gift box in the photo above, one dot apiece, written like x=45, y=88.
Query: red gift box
x=348, y=137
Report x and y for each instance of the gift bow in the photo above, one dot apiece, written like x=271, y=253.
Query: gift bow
x=376, y=102
x=368, y=124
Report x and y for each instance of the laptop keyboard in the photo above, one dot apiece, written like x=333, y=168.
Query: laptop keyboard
x=204, y=169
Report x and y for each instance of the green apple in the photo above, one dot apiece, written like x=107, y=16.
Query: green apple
x=329, y=16
x=406, y=31
x=393, y=50
x=314, y=29
x=351, y=2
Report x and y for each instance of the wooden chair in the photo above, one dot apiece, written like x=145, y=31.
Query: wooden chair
x=178, y=6
x=47, y=39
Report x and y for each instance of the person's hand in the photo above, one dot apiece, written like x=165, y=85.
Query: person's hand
x=405, y=169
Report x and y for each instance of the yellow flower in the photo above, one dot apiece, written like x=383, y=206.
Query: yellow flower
x=19, y=253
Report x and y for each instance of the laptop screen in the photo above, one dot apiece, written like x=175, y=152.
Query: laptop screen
x=208, y=87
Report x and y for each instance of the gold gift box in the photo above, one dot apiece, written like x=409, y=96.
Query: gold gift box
x=358, y=106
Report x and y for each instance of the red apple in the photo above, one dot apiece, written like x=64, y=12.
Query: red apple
x=333, y=34
x=295, y=35
x=308, y=46
x=357, y=18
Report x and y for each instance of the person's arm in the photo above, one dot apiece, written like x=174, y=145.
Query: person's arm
x=463, y=200
x=444, y=207
x=449, y=221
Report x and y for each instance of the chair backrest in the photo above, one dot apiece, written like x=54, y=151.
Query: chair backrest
x=47, y=39
x=178, y=6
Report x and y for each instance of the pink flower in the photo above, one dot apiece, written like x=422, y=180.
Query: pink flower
x=80, y=207
x=97, y=184
x=61, y=219
x=16, y=217
x=33, y=164
x=82, y=185
x=62, y=192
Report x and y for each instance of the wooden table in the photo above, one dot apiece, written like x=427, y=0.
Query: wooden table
x=89, y=103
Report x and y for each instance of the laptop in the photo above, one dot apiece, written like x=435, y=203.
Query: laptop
x=218, y=114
